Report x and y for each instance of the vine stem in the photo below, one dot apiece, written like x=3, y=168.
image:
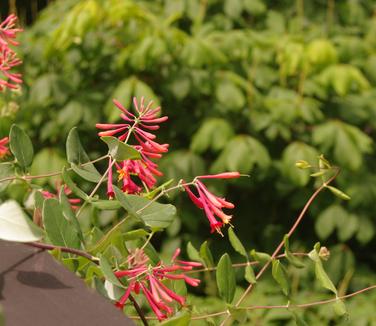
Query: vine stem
x=74, y=251
x=52, y=174
x=94, y=259
x=249, y=263
x=277, y=250
x=302, y=305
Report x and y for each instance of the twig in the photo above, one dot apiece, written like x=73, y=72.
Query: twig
x=276, y=251
x=52, y=174
x=139, y=310
x=77, y=252
x=249, y=263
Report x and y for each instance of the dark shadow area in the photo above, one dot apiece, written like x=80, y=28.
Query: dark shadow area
x=40, y=280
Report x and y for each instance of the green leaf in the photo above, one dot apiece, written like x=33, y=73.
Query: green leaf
x=123, y=94
x=297, y=151
x=241, y=154
x=329, y=219
x=48, y=160
x=193, y=253
x=338, y=193
x=261, y=257
x=69, y=214
x=21, y=146
x=347, y=228
x=15, y=225
x=320, y=273
x=213, y=133
x=120, y=151
x=182, y=318
x=6, y=170
x=279, y=274
x=135, y=234
x=236, y=244
x=108, y=273
x=72, y=186
x=299, y=321
x=206, y=255
x=58, y=229
x=240, y=315
x=226, y=278
x=106, y=204
x=339, y=307
x=249, y=274
x=156, y=215
x=295, y=261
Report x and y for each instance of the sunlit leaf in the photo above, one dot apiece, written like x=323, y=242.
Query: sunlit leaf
x=15, y=225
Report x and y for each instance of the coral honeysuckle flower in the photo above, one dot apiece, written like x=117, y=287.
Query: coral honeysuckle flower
x=145, y=118
x=144, y=169
x=8, y=58
x=148, y=279
x=211, y=204
x=8, y=32
x=4, y=150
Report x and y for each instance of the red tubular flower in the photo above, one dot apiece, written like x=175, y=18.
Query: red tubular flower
x=8, y=32
x=150, y=281
x=145, y=118
x=144, y=169
x=8, y=58
x=211, y=204
x=4, y=150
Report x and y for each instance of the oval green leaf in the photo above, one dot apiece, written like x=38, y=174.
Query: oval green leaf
x=21, y=146
x=58, y=229
x=226, y=278
x=120, y=151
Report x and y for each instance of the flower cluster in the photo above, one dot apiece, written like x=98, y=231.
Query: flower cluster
x=148, y=279
x=3, y=148
x=210, y=203
x=139, y=125
x=8, y=58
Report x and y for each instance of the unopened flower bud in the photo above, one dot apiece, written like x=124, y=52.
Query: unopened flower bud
x=301, y=164
x=324, y=253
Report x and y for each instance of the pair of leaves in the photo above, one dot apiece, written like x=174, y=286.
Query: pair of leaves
x=80, y=161
x=249, y=273
x=156, y=215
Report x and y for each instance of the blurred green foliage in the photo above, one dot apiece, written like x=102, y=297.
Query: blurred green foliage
x=249, y=85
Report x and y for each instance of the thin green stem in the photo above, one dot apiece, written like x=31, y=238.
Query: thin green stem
x=95, y=188
x=164, y=192
x=286, y=306
x=249, y=263
x=147, y=241
x=52, y=174
x=279, y=247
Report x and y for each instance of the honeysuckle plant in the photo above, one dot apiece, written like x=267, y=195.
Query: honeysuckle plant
x=120, y=261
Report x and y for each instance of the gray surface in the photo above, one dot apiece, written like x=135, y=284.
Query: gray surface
x=35, y=290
